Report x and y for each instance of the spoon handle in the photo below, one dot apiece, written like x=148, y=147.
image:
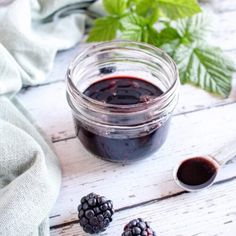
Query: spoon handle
x=225, y=153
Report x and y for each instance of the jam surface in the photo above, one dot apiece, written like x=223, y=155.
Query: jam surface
x=196, y=171
x=122, y=91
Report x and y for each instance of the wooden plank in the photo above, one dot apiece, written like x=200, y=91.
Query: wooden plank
x=62, y=60
x=53, y=115
x=50, y=109
x=208, y=213
x=190, y=134
x=224, y=30
x=220, y=6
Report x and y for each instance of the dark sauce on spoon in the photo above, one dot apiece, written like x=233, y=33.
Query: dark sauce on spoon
x=197, y=172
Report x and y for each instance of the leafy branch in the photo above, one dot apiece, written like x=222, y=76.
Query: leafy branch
x=182, y=32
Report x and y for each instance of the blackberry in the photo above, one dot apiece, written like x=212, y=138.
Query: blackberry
x=138, y=227
x=95, y=213
x=107, y=70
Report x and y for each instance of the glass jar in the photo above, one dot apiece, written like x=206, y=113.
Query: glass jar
x=122, y=132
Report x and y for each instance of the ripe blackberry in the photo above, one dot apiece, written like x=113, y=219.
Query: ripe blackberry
x=107, y=70
x=95, y=213
x=138, y=227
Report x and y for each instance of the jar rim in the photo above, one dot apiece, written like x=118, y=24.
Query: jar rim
x=115, y=44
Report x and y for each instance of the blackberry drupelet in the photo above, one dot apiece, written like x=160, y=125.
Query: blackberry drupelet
x=95, y=213
x=107, y=70
x=138, y=227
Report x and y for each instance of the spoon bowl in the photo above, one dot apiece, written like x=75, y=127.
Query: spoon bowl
x=198, y=173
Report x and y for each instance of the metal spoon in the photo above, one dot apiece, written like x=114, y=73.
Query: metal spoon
x=212, y=164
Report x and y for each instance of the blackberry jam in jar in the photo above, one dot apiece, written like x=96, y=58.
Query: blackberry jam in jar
x=122, y=95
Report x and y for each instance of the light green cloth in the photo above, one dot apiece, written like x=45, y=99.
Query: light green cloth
x=29, y=174
x=31, y=32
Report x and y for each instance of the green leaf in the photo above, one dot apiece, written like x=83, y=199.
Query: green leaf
x=142, y=7
x=104, y=29
x=134, y=28
x=168, y=34
x=206, y=67
x=194, y=28
x=153, y=36
x=154, y=14
x=170, y=47
x=175, y=9
x=169, y=40
x=147, y=9
x=184, y=31
x=115, y=7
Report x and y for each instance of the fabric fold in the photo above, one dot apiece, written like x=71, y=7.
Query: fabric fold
x=31, y=33
x=29, y=174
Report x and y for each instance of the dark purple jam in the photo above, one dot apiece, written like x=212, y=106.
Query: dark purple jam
x=122, y=91
x=197, y=172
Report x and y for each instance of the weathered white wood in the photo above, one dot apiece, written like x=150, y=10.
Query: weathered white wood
x=53, y=114
x=191, y=134
x=222, y=6
x=225, y=30
x=212, y=212
x=48, y=105
x=62, y=61
x=50, y=109
x=208, y=213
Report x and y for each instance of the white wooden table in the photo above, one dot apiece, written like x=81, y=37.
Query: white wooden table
x=201, y=124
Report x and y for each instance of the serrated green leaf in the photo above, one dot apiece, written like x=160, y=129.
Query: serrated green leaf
x=170, y=47
x=134, y=27
x=169, y=40
x=182, y=57
x=104, y=29
x=142, y=7
x=175, y=9
x=194, y=28
x=206, y=67
x=115, y=7
x=153, y=36
x=155, y=13
x=168, y=34
x=147, y=9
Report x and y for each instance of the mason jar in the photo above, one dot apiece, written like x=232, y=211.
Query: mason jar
x=122, y=95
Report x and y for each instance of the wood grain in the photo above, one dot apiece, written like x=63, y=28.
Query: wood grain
x=201, y=124
x=53, y=114
x=224, y=30
x=222, y=6
x=206, y=213
x=62, y=61
x=190, y=134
